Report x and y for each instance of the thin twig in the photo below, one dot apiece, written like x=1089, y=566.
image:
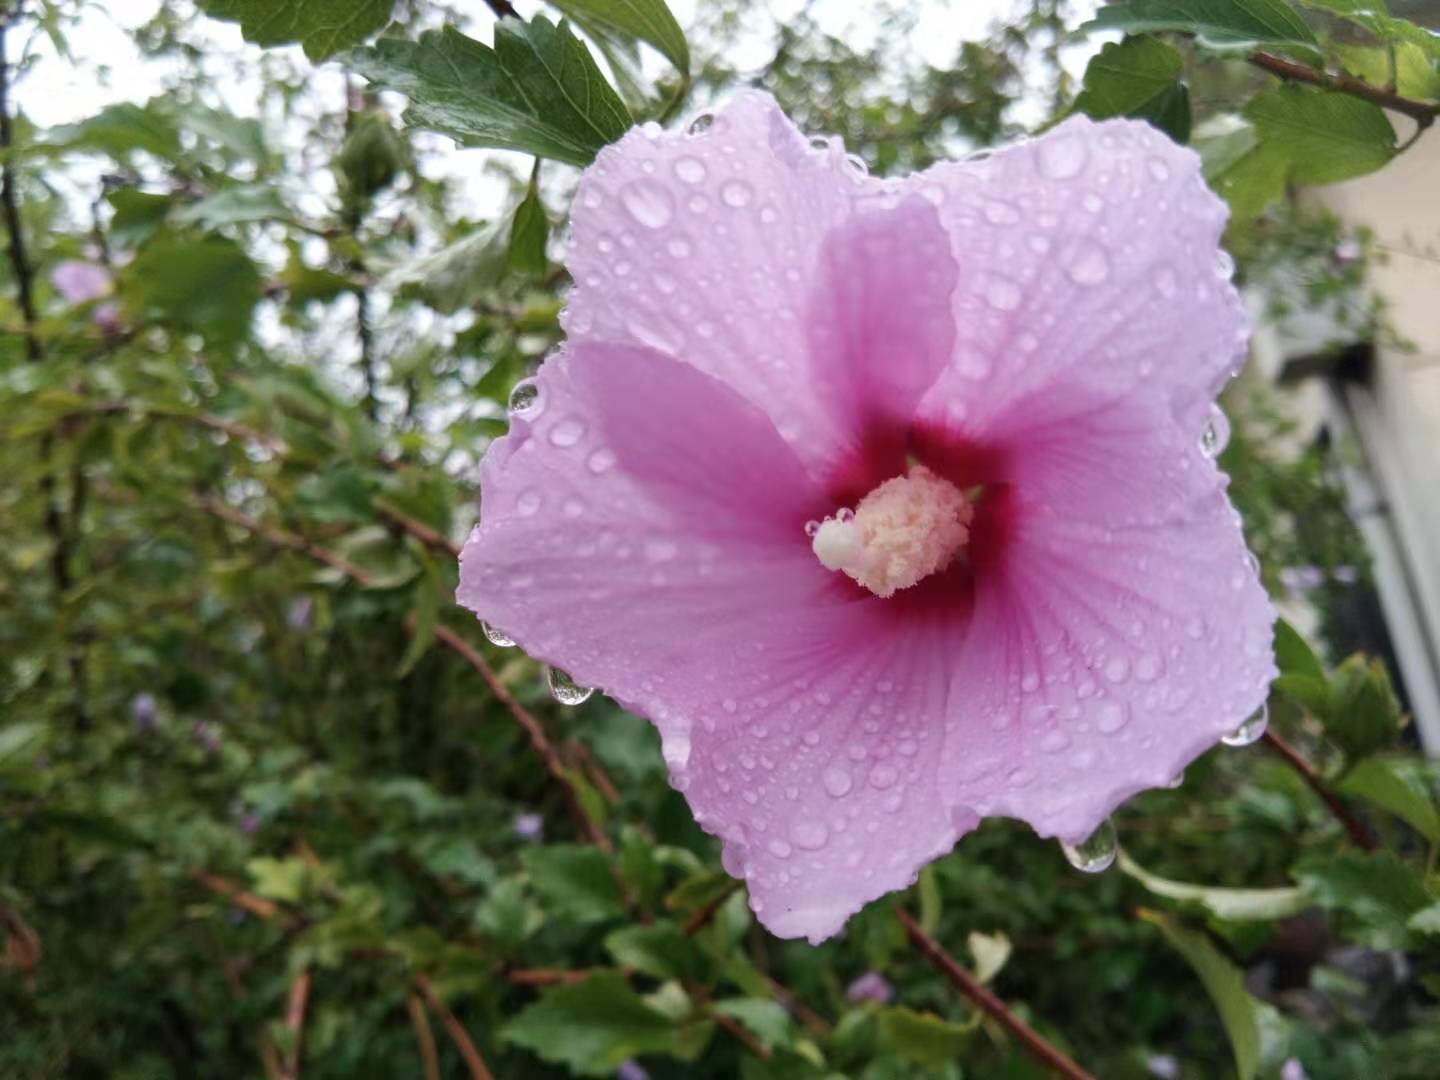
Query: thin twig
x=418, y=529
x=987, y=1002
x=295, y=1022
x=19, y=261
x=458, y=1035
x=423, y=1036
x=697, y=921
x=1359, y=834
x=546, y=976
x=256, y=905
x=1421, y=112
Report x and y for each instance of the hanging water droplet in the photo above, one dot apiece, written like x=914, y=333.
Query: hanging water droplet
x=498, y=638
x=524, y=397
x=565, y=689
x=1252, y=730
x=1177, y=781
x=811, y=528
x=1216, y=435
x=1096, y=852
x=701, y=124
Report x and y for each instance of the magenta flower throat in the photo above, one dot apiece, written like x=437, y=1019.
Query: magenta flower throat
x=890, y=503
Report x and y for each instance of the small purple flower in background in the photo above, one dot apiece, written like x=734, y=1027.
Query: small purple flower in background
x=892, y=503
x=300, y=613
x=107, y=318
x=630, y=1069
x=1163, y=1067
x=872, y=986
x=143, y=711
x=529, y=826
x=207, y=735
x=79, y=281
x=1293, y=1070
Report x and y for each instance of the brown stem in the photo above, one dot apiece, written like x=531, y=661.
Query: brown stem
x=1359, y=834
x=697, y=921
x=546, y=976
x=19, y=261
x=418, y=529
x=281, y=538
x=295, y=1023
x=256, y=905
x=1421, y=112
x=1041, y=1050
x=458, y=1035
x=423, y=1036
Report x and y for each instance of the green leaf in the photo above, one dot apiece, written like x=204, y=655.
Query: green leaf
x=506, y=915
x=923, y=1038
x=236, y=205
x=456, y=276
x=1375, y=17
x=528, y=232
x=427, y=613
x=322, y=26
x=15, y=737
x=1362, y=714
x=1224, y=903
x=1138, y=77
x=648, y=20
x=279, y=879
x=120, y=130
x=1220, y=24
x=1293, y=654
x=574, y=881
x=1401, y=786
x=209, y=285
x=538, y=90
x=1375, y=889
x=592, y=1026
x=1417, y=73
x=660, y=950
x=1426, y=920
x=1247, y=173
x=1256, y=1031
x=373, y=156
x=1323, y=137
x=138, y=216
x=765, y=1019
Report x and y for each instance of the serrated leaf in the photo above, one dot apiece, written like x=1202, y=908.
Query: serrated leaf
x=138, y=216
x=1247, y=173
x=1378, y=891
x=1220, y=24
x=661, y=950
x=236, y=205
x=1375, y=17
x=574, y=882
x=209, y=285
x=1138, y=77
x=529, y=229
x=923, y=1038
x=1224, y=903
x=322, y=27
x=648, y=20
x=1323, y=137
x=1402, y=787
x=591, y=1026
x=1256, y=1032
x=1417, y=73
x=538, y=90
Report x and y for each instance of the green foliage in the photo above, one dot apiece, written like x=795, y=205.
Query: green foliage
x=239, y=746
x=538, y=90
x=1138, y=77
x=1218, y=24
x=323, y=27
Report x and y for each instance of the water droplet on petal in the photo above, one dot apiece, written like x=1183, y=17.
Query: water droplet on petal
x=565, y=689
x=528, y=502
x=1158, y=169
x=1003, y=294
x=836, y=781
x=498, y=638
x=810, y=835
x=1096, y=852
x=567, y=433
x=600, y=461
x=1252, y=730
x=525, y=398
x=1111, y=716
x=1090, y=265
x=1178, y=780
x=648, y=203
x=1216, y=435
x=736, y=193
x=690, y=170
x=1061, y=156
x=700, y=124
x=779, y=848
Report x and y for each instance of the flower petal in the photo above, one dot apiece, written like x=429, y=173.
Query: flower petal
x=1091, y=266
x=705, y=245
x=1124, y=631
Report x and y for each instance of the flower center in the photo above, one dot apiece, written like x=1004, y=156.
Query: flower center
x=908, y=528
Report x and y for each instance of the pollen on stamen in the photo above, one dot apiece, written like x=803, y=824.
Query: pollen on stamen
x=906, y=529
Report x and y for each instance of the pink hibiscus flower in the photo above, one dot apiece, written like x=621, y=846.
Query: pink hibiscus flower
x=888, y=502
